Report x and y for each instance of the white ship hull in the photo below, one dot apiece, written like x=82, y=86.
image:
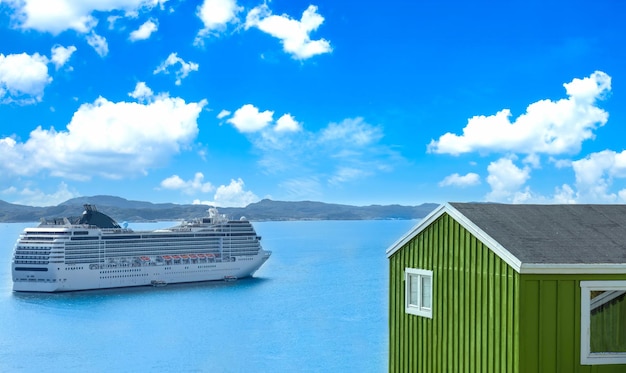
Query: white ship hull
x=80, y=277
x=96, y=253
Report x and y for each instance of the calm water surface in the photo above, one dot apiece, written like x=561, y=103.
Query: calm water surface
x=319, y=304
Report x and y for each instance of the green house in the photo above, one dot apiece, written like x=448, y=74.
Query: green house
x=480, y=287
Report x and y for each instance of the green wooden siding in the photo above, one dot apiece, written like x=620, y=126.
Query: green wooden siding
x=550, y=324
x=474, y=326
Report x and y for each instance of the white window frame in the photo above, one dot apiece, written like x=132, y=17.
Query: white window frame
x=418, y=309
x=586, y=356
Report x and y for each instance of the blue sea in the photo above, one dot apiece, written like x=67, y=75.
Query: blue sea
x=319, y=304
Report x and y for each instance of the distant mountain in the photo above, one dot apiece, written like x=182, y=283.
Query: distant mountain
x=124, y=210
x=308, y=210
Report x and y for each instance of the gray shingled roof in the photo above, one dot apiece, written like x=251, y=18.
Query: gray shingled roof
x=553, y=234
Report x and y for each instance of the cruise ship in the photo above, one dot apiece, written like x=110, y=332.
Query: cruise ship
x=94, y=252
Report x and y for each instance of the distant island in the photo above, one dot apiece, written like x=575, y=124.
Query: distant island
x=265, y=210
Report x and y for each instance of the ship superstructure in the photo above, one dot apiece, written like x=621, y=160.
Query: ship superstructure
x=95, y=252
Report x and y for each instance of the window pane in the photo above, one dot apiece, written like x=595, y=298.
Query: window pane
x=608, y=321
x=426, y=289
x=413, y=289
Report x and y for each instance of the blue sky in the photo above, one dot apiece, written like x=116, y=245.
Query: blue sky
x=229, y=101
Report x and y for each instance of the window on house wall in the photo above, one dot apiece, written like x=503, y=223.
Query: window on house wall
x=603, y=322
x=419, y=290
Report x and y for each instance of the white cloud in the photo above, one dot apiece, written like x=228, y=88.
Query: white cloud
x=588, y=90
x=223, y=114
x=533, y=160
x=142, y=92
x=112, y=20
x=215, y=15
x=23, y=77
x=144, y=31
x=622, y=195
x=108, y=139
x=287, y=123
x=248, y=118
x=98, y=43
x=346, y=174
x=506, y=181
x=339, y=153
x=469, y=179
x=595, y=175
x=196, y=185
x=351, y=149
x=232, y=195
x=36, y=197
x=351, y=132
x=564, y=195
x=60, y=55
x=307, y=187
x=550, y=127
x=56, y=16
x=293, y=34
x=182, y=72
x=561, y=163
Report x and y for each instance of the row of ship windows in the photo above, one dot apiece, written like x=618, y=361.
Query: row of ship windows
x=108, y=254
x=53, y=233
x=231, y=230
x=82, y=240
x=135, y=243
x=152, y=251
x=185, y=272
x=38, y=248
x=144, y=246
x=176, y=238
x=85, y=261
x=170, y=268
x=73, y=268
x=180, y=248
x=38, y=237
x=142, y=249
x=134, y=254
x=88, y=259
x=139, y=246
x=188, y=237
x=31, y=257
x=120, y=276
x=145, y=274
x=172, y=248
x=20, y=256
x=170, y=251
x=21, y=253
x=121, y=270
